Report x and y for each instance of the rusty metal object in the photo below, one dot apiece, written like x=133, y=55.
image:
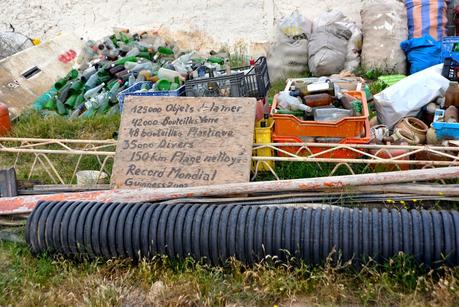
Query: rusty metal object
x=21, y=205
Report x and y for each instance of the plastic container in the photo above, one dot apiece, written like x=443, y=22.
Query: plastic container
x=331, y=114
x=133, y=91
x=263, y=135
x=287, y=125
x=448, y=46
x=256, y=80
x=168, y=74
x=445, y=130
x=337, y=154
x=222, y=86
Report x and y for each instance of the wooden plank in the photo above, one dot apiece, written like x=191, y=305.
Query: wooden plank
x=52, y=59
x=167, y=142
x=69, y=187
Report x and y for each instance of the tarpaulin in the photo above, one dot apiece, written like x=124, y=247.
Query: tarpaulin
x=427, y=17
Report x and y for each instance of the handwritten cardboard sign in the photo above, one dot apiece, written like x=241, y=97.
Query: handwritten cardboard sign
x=171, y=142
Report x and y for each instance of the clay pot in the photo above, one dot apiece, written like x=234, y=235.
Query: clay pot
x=451, y=115
x=408, y=137
x=431, y=137
x=413, y=127
x=390, y=153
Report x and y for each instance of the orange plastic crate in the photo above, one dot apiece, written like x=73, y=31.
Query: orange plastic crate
x=287, y=125
x=336, y=154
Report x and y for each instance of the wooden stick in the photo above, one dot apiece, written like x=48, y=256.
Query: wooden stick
x=415, y=189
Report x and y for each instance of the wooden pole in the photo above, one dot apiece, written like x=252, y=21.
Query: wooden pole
x=442, y=190
x=16, y=205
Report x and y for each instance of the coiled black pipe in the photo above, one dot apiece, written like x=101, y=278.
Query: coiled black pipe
x=248, y=233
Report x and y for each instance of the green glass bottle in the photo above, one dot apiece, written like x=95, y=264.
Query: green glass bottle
x=114, y=91
x=124, y=38
x=64, y=92
x=71, y=101
x=126, y=59
x=73, y=74
x=79, y=100
x=146, y=55
x=60, y=83
x=89, y=113
x=114, y=110
x=216, y=60
x=40, y=102
x=50, y=104
x=76, y=87
x=114, y=40
x=111, y=83
x=165, y=51
x=61, y=110
x=103, y=103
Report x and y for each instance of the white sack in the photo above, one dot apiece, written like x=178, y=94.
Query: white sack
x=354, y=45
x=408, y=96
x=384, y=27
x=289, y=53
x=328, y=49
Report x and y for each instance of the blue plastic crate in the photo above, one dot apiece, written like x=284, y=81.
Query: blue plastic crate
x=133, y=91
x=445, y=130
x=447, y=47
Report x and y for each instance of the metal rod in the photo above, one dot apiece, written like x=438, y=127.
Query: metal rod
x=75, y=141
x=361, y=161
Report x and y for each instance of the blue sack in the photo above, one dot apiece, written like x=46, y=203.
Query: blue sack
x=422, y=52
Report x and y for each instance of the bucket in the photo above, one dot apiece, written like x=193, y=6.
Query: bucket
x=88, y=178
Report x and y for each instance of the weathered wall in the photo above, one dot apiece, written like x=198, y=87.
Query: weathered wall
x=196, y=23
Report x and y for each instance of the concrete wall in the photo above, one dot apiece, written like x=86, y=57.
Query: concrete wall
x=194, y=23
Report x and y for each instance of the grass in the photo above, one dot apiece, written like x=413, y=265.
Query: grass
x=33, y=125
x=44, y=280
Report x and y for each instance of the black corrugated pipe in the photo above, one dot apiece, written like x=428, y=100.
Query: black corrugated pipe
x=248, y=232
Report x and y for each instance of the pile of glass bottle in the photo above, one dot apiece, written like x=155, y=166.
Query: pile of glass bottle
x=111, y=65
